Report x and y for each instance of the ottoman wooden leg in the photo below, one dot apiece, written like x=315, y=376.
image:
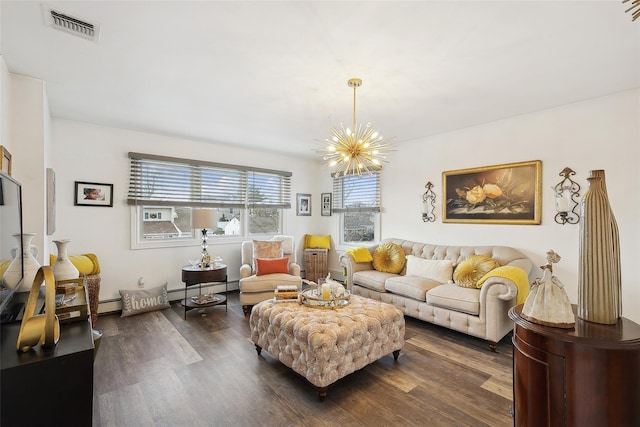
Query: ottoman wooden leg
x=396, y=354
x=322, y=393
x=246, y=309
x=258, y=349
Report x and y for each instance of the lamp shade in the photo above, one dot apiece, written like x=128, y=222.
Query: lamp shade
x=203, y=218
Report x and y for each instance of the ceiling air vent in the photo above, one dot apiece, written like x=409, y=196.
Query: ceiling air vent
x=70, y=24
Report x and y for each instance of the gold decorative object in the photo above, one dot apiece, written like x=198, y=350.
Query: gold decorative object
x=599, y=277
x=358, y=149
x=548, y=303
x=43, y=328
x=310, y=298
x=635, y=4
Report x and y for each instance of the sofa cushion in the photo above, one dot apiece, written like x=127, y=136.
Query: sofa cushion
x=372, y=279
x=410, y=286
x=389, y=258
x=456, y=298
x=435, y=269
x=268, y=282
x=472, y=269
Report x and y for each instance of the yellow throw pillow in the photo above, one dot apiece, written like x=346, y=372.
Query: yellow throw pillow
x=320, y=242
x=471, y=270
x=360, y=254
x=389, y=258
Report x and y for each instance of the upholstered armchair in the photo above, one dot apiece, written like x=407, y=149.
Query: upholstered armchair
x=265, y=265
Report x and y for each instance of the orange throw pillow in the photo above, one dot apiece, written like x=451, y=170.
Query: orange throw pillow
x=271, y=266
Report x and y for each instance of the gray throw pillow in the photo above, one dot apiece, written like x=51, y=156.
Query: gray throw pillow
x=143, y=300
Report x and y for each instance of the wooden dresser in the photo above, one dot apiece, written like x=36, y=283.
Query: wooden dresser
x=587, y=376
x=47, y=387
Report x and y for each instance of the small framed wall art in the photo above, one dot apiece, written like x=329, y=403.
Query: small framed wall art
x=93, y=194
x=325, y=199
x=303, y=204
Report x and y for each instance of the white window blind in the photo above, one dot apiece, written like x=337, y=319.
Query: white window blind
x=357, y=193
x=268, y=190
x=159, y=180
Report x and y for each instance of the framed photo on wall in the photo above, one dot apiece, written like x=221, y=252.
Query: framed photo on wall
x=500, y=194
x=325, y=199
x=93, y=194
x=303, y=204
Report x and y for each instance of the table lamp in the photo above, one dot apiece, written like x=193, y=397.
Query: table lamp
x=203, y=219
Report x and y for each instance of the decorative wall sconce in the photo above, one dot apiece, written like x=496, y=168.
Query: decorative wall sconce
x=428, y=204
x=567, y=192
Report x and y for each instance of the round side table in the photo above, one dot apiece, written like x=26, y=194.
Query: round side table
x=197, y=276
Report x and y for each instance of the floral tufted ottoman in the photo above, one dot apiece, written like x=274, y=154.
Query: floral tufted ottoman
x=324, y=345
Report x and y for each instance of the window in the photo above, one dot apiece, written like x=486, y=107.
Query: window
x=357, y=200
x=164, y=190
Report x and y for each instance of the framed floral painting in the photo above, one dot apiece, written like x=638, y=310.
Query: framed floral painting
x=500, y=194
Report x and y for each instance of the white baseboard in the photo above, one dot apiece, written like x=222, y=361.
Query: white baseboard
x=114, y=305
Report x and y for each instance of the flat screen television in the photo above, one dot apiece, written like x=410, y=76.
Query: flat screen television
x=10, y=247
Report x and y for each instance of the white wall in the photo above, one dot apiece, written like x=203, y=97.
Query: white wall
x=602, y=133
x=86, y=152
x=28, y=138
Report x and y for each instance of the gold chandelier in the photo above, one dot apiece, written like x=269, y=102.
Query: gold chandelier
x=356, y=150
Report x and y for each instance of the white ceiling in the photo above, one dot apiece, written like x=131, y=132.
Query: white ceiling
x=273, y=75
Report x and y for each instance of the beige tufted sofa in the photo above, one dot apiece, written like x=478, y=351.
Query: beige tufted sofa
x=325, y=345
x=482, y=313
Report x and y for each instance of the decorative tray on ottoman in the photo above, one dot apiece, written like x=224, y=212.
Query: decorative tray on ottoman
x=309, y=298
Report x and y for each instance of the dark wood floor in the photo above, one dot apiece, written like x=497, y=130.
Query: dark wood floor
x=157, y=369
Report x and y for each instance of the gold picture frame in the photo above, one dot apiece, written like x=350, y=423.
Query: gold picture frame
x=5, y=160
x=501, y=194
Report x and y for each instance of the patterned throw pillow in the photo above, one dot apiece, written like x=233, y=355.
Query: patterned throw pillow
x=471, y=270
x=143, y=300
x=389, y=258
x=266, y=249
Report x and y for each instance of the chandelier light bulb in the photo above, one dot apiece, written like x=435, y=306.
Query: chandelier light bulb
x=355, y=149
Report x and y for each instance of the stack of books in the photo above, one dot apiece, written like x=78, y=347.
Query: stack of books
x=286, y=293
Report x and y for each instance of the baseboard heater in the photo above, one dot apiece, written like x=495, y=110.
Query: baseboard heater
x=113, y=305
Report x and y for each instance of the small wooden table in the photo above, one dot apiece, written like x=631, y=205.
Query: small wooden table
x=586, y=376
x=197, y=276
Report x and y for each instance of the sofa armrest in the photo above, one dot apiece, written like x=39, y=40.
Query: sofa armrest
x=245, y=271
x=497, y=296
x=506, y=290
x=351, y=266
x=294, y=269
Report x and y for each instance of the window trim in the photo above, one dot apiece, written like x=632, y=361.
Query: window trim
x=187, y=187
x=340, y=210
